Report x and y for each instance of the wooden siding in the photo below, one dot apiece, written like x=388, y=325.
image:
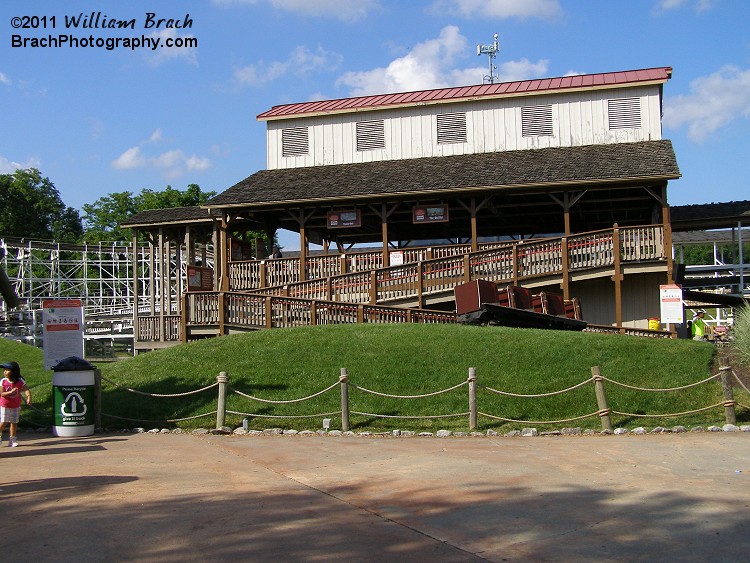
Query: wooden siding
x=578, y=119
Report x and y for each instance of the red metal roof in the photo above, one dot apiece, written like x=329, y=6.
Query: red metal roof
x=536, y=86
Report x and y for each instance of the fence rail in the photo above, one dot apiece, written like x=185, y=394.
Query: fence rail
x=500, y=263
x=349, y=404
x=497, y=261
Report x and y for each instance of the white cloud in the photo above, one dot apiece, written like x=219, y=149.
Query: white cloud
x=164, y=54
x=9, y=166
x=346, y=10
x=501, y=9
x=156, y=136
x=431, y=65
x=300, y=61
x=667, y=5
x=713, y=102
x=131, y=158
x=172, y=163
x=4, y=79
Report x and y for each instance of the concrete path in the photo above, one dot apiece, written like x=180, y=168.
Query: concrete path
x=167, y=497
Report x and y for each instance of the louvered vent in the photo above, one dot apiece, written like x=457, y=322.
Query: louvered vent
x=370, y=135
x=451, y=128
x=624, y=113
x=294, y=141
x=536, y=121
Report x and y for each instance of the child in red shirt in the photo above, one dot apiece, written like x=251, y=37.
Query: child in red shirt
x=10, y=399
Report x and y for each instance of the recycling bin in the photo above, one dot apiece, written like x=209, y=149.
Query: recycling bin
x=73, y=393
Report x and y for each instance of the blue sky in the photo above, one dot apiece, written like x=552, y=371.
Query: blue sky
x=98, y=121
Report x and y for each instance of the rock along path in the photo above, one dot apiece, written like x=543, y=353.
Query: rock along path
x=171, y=497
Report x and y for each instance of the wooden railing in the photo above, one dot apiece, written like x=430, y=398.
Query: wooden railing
x=223, y=309
x=359, y=294
x=502, y=264
x=261, y=274
x=150, y=328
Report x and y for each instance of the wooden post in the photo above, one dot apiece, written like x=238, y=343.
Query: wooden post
x=472, y=399
x=373, y=287
x=601, y=399
x=726, y=387
x=221, y=407
x=617, y=277
x=222, y=313
x=467, y=268
x=565, y=268
x=184, y=319
x=420, y=284
x=269, y=312
x=344, y=380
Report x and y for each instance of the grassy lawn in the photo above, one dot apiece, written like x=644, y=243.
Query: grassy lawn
x=399, y=360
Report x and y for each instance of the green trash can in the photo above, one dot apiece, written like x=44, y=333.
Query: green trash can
x=73, y=392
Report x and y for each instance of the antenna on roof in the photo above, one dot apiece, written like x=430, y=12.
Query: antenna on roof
x=491, y=52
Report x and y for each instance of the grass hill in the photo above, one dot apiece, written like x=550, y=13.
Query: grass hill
x=399, y=360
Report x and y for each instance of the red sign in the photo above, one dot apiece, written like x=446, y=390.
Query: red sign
x=344, y=219
x=430, y=214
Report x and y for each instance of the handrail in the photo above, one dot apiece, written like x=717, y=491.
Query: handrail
x=506, y=263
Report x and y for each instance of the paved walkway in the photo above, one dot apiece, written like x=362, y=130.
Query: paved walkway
x=167, y=497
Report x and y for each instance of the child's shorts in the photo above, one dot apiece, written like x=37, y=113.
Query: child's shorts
x=8, y=414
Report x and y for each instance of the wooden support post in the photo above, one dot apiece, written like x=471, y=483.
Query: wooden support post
x=303, y=250
x=136, y=298
x=467, y=268
x=269, y=312
x=726, y=387
x=617, y=277
x=472, y=399
x=420, y=285
x=184, y=319
x=373, y=287
x=344, y=380
x=221, y=406
x=222, y=313
x=163, y=283
x=565, y=268
x=223, y=254
x=601, y=399
x=313, y=313
x=263, y=274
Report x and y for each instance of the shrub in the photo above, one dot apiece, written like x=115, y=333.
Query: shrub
x=742, y=333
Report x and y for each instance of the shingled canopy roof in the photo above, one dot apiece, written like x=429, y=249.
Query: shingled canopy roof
x=710, y=215
x=435, y=176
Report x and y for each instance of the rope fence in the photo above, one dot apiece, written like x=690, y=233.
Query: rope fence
x=726, y=376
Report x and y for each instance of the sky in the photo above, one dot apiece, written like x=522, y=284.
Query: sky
x=98, y=120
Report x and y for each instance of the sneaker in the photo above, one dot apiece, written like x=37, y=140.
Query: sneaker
x=13, y=443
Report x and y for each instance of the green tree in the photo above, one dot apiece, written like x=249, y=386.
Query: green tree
x=102, y=218
x=31, y=208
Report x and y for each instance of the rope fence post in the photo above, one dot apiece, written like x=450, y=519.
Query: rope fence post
x=601, y=398
x=726, y=388
x=472, y=399
x=344, y=380
x=221, y=407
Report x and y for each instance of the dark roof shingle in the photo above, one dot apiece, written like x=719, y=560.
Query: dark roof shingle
x=547, y=167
